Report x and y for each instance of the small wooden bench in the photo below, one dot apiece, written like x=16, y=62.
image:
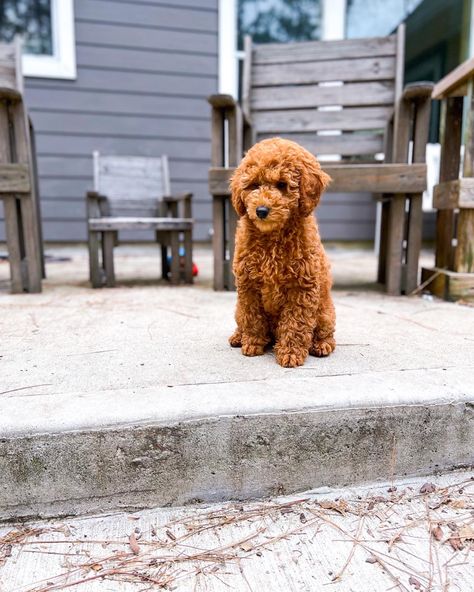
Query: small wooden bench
x=133, y=193
x=452, y=278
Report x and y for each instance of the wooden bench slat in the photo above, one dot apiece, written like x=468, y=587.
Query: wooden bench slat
x=14, y=178
x=324, y=71
x=343, y=144
x=306, y=120
x=377, y=178
x=273, y=53
x=139, y=223
x=314, y=95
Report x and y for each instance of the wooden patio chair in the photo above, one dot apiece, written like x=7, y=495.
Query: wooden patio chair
x=334, y=97
x=133, y=193
x=18, y=177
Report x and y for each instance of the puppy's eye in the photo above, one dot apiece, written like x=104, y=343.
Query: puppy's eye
x=282, y=185
x=252, y=186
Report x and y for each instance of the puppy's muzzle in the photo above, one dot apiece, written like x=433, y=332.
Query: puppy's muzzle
x=262, y=212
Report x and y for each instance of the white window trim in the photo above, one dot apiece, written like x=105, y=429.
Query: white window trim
x=333, y=27
x=62, y=64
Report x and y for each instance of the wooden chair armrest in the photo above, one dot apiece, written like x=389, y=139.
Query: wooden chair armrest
x=417, y=91
x=222, y=101
x=454, y=83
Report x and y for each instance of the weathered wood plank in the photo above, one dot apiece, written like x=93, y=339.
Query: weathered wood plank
x=451, y=131
x=307, y=120
x=395, y=235
x=450, y=195
x=247, y=76
x=12, y=231
x=449, y=285
x=453, y=85
x=378, y=178
x=276, y=53
x=218, y=237
x=108, y=243
x=414, y=240
x=14, y=178
x=131, y=166
x=28, y=205
x=315, y=95
x=140, y=224
x=344, y=144
x=325, y=71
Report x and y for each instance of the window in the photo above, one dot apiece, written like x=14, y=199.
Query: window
x=272, y=21
x=278, y=21
x=47, y=31
x=369, y=18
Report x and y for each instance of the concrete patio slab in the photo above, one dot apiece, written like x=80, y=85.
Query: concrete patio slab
x=131, y=397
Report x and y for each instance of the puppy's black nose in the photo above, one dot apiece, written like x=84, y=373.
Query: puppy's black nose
x=262, y=212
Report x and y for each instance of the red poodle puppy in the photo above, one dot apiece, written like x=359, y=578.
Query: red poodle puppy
x=282, y=273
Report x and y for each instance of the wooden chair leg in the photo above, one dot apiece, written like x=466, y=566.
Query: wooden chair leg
x=165, y=268
x=233, y=219
x=218, y=241
x=396, y=228
x=174, y=277
x=382, y=262
x=108, y=257
x=415, y=229
x=94, y=265
x=31, y=244
x=13, y=243
x=188, y=257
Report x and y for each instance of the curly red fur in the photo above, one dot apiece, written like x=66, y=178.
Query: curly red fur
x=282, y=272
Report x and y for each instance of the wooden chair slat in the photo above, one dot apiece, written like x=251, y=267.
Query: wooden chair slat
x=350, y=144
x=316, y=95
x=324, y=71
x=373, y=178
x=323, y=50
x=307, y=120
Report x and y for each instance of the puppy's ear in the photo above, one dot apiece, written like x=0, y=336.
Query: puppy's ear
x=313, y=181
x=236, y=186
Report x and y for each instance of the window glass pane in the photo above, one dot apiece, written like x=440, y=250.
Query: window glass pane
x=31, y=19
x=373, y=18
x=269, y=21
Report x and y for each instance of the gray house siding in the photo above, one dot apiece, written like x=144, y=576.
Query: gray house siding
x=144, y=70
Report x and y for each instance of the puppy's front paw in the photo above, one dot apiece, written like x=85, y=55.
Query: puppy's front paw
x=323, y=347
x=252, y=349
x=235, y=339
x=290, y=359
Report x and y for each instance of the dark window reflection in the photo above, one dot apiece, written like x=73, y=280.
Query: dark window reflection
x=32, y=20
x=269, y=21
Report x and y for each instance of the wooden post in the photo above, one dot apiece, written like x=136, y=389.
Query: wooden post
x=464, y=252
x=451, y=130
x=108, y=257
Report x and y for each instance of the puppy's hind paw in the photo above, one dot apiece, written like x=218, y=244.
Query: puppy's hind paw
x=235, y=339
x=323, y=347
